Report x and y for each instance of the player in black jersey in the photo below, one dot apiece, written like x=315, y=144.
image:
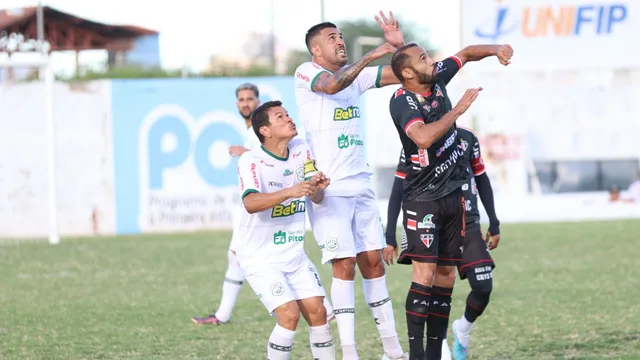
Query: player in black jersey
x=433, y=203
x=476, y=264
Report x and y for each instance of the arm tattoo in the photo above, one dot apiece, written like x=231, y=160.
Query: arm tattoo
x=345, y=76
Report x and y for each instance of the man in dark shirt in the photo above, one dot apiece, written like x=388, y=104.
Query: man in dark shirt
x=476, y=264
x=433, y=202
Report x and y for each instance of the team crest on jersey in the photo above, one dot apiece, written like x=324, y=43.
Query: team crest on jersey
x=464, y=145
x=434, y=104
x=438, y=90
x=427, y=239
x=420, y=98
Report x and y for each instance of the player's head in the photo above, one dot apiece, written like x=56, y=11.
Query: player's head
x=271, y=121
x=325, y=43
x=247, y=96
x=412, y=64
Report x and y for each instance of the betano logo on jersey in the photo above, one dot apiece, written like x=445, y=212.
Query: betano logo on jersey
x=296, y=206
x=281, y=237
x=346, y=114
x=553, y=20
x=346, y=140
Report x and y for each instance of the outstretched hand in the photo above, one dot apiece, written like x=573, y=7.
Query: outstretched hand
x=391, y=29
x=320, y=181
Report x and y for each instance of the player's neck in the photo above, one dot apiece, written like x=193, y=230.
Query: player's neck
x=325, y=65
x=247, y=122
x=422, y=89
x=279, y=149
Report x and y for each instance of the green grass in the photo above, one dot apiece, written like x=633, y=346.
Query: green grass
x=561, y=291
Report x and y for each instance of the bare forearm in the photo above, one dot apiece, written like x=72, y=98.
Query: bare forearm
x=256, y=202
x=341, y=79
x=477, y=52
x=435, y=130
x=318, y=196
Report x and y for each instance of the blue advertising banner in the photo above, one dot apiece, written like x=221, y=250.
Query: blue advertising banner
x=170, y=137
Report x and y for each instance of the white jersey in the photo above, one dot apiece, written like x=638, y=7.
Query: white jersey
x=275, y=237
x=251, y=140
x=333, y=125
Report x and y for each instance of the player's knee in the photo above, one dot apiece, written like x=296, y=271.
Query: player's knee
x=317, y=314
x=445, y=276
x=481, y=283
x=344, y=269
x=423, y=273
x=288, y=315
x=370, y=264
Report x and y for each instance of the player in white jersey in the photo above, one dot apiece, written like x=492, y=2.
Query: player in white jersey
x=347, y=224
x=247, y=96
x=277, y=180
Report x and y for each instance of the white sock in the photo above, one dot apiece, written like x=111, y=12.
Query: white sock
x=321, y=340
x=343, y=297
x=280, y=343
x=233, y=280
x=377, y=297
x=463, y=327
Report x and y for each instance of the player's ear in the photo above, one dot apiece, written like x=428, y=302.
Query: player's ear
x=407, y=73
x=315, y=48
x=265, y=131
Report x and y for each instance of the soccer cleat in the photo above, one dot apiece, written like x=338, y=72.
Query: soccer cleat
x=459, y=351
x=209, y=319
x=446, y=353
x=404, y=356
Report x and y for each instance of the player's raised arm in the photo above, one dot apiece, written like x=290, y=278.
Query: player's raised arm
x=253, y=199
x=479, y=52
x=391, y=29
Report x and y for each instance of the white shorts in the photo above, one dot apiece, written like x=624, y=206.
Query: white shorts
x=235, y=223
x=346, y=226
x=275, y=288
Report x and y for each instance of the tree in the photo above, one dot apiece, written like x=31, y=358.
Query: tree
x=370, y=28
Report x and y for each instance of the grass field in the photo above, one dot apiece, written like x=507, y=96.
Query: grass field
x=562, y=291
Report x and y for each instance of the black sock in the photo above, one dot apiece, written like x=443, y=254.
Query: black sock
x=417, y=307
x=478, y=298
x=438, y=320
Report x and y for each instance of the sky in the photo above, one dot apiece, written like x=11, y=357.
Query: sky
x=193, y=30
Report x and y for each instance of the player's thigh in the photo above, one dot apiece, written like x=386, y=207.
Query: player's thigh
x=452, y=211
x=367, y=226
x=272, y=288
x=420, y=236
x=331, y=225
x=304, y=282
x=476, y=257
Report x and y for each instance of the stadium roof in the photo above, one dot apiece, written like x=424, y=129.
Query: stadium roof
x=66, y=32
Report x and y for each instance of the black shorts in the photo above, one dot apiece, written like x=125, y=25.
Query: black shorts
x=475, y=254
x=433, y=231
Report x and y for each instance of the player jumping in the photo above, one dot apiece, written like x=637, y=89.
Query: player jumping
x=248, y=99
x=476, y=263
x=275, y=180
x=433, y=203
x=347, y=224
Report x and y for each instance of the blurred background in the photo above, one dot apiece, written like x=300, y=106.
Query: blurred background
x=130, y=135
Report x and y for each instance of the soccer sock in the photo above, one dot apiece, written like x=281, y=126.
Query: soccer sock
x=280, y=343
x=478, y=298
x=377, y=297
x=233, y=280
x=417, y=308
x=438, y=320
x=321, y=340
x=327, y=304
x=343, y=297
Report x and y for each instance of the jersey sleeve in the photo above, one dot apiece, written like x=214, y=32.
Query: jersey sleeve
x=477, y=164
x=369, y=78
x=448, y=68
x=404, y=110
x=249, y=174
x=401, y=170
x=307, y=74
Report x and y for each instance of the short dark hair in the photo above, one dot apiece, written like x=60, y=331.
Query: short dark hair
x=400, y=61
x=315, y=30
x=248, y=86
x=260, y=117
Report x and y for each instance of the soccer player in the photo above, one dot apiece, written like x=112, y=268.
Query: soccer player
x=248, y=98
x=347, y=223
x=433, y=202
x=276, y=180
x=476, y=264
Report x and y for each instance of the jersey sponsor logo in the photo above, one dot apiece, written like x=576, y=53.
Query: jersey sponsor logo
x=254, y=176
x=411, y=102
x=275, y=184
x=349, y=113
x=346, y=140
x=450, y=141
x=302, y=77
x=295, y=207
x=467, y=205
x=438, y=90
x=427, y=239
x=423, y=157
x=281, y=237
x=287, y=172
x=420, y=98
x=457, y=152
x=426, y=222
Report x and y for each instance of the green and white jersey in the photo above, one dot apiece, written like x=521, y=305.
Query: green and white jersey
x=251, y=140
x=273, y=238
x=334, y=126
